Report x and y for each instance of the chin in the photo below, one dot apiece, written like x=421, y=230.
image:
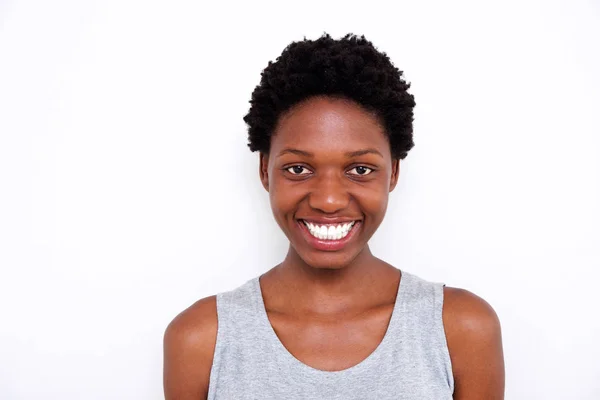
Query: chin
x=327, y=260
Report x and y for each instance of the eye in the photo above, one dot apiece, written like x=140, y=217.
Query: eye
x=298, y=170
x=360, y=170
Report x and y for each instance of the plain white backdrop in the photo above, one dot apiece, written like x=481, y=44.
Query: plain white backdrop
x=127, y=191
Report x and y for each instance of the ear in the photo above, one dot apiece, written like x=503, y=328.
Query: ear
x=395, y=173
x=264, y=170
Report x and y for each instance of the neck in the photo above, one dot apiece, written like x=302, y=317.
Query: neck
x=323, y=283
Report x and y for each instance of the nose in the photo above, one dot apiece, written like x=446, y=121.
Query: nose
x=329, y=194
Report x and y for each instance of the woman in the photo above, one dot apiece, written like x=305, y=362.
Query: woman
x=331, y=120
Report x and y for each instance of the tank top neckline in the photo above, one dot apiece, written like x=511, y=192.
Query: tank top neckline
x=283, y=353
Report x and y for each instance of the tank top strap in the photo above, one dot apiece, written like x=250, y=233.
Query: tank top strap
x=238, y=326
x=420, y=310
x=238, y=311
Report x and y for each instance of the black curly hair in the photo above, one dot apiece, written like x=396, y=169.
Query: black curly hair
x=350, y=68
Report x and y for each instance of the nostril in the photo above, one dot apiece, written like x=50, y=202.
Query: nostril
x=328, y=202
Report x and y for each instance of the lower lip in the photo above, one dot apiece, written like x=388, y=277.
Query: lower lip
x=328, y=245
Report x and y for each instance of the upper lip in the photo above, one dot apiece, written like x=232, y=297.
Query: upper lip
x=329, y=221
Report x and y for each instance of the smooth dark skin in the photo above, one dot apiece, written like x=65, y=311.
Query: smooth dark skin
x=332, y=309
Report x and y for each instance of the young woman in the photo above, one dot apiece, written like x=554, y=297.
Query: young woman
x=331, y=120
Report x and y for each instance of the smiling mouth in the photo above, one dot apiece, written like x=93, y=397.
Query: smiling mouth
x=329, y=231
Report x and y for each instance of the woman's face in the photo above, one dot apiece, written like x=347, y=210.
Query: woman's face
x=329, y=173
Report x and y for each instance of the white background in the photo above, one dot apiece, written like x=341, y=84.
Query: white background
x=127, y=191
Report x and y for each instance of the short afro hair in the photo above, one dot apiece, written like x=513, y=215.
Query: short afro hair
x=350, y=68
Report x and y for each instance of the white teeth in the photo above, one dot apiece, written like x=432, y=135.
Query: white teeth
x=323, y=232
x=329, y=232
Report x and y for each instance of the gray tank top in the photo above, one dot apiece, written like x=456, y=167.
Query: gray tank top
x=410, y=363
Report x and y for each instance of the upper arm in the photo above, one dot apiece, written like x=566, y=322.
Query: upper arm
x=189, y=344
x=475, y=346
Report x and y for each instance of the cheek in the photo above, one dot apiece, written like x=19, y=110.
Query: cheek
x=284, y=197
x=374, y=202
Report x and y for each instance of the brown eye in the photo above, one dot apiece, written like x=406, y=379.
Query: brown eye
x=298, y=170
x=360, y=170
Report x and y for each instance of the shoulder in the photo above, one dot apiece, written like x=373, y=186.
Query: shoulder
x=189, y=345
x=194, y=327
x=474, y=340
x=469, y=313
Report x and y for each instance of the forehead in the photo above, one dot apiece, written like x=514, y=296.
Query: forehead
x=325, y=125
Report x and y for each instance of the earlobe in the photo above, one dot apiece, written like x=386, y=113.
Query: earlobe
x=395, y=173
x=264, y=170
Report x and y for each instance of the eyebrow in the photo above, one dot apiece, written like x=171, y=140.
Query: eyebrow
x=297, y=152
x=349, y=154
x=362, y=152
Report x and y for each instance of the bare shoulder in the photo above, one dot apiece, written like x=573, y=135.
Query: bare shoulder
x=473, y=333
x=189, y=345
x=195, y=324
x=468, y=312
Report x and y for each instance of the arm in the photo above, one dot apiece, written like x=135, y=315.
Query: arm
x=475, y=345
x=189, y=345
